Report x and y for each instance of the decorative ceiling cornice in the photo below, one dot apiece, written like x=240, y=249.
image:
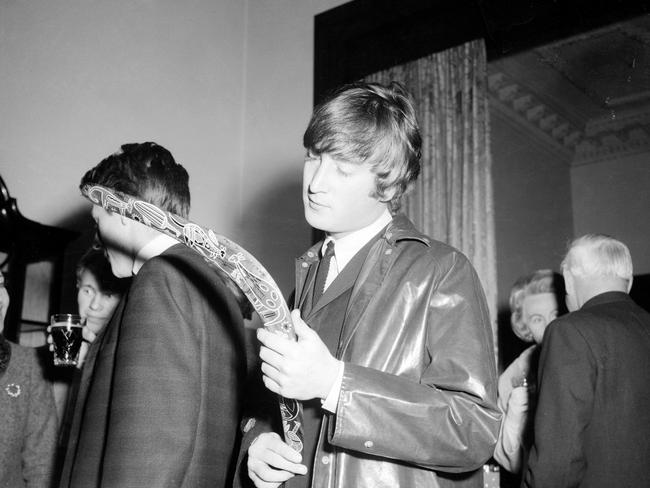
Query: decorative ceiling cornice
x=525, y=109
x=623, y=126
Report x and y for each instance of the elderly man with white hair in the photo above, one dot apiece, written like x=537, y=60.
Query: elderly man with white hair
x=592, y=424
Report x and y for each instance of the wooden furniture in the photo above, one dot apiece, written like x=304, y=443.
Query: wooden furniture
x=31, y=258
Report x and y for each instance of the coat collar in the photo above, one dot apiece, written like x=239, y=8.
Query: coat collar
x=400, y=228
x=379, y=261
x=607, y=297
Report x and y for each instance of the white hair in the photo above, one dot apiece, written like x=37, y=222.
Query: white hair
x=598, y=255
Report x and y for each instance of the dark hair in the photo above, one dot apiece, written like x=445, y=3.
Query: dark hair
x=146, y=171
x=372, y=124
x=96, y=263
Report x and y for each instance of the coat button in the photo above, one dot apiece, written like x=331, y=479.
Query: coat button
x=310, y=254
x=325, y=459
x=304, y=264
x=368, y=444
x=250, y=423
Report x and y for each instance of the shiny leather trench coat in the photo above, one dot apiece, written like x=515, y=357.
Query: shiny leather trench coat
x=417, y=405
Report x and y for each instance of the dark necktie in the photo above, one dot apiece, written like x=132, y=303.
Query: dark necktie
x=323, y=271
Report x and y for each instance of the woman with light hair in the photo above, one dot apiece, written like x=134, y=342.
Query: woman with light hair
x=534, y=303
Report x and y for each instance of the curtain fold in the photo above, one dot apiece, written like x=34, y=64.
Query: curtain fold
x=452, y=200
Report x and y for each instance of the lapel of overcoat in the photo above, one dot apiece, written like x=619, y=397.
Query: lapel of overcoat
x=306, y=266
x=85, y=383
x=375, y=267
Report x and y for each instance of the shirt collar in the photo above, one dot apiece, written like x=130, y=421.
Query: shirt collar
x=154, y=247
x=346, y=247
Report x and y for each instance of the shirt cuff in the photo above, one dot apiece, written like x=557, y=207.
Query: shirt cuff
x=332, y=400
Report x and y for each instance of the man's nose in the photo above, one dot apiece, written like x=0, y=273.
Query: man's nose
x=320, y=177
x=96, y=302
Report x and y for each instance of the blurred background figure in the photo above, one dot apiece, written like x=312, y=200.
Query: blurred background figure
x=592, y=426
x=535, y=300
x=98, y=293
x=28, y=421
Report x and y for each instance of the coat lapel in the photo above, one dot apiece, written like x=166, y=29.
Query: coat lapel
x=340, y=285
x=306, y=266
x=378, y=262
x=85, y=384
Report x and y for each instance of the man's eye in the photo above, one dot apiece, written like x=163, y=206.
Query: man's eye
x=342, y=172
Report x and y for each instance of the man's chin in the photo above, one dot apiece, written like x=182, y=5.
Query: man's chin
x=313, y=220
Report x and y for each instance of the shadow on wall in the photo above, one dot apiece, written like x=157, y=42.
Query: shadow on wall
x=640, y=291
x=82, y=222
x=273, y=228
x=510, y=346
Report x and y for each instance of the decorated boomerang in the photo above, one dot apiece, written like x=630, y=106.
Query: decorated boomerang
x=249, y=275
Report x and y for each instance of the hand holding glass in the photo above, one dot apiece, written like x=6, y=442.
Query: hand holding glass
x=66, y=331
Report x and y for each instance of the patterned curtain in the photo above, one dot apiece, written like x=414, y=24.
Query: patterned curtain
x=452, y=200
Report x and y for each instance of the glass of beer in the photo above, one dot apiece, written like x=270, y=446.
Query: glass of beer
x=65, y=329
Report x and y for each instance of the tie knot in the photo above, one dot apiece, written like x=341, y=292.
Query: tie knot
x=329, y=250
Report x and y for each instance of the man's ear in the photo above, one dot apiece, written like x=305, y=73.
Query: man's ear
x=569, y=285
x=389, y=194
x=570, y=288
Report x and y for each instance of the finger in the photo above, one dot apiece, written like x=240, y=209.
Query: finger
x=271, y=357
x=272, y=341
x=269, y=454
x=268, y=474
x=88, y=334
x=271, y=385
x=299, y=325
x=259, y=483
x=271, y=372
x=274, y=466
x=291, y=455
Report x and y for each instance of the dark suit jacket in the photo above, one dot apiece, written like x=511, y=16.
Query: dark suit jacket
x=159, y=397
x=592, y=424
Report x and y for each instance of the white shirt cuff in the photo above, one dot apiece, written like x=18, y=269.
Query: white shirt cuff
x=332, y=400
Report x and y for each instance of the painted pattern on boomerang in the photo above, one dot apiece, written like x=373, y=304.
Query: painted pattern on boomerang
x=249, y=275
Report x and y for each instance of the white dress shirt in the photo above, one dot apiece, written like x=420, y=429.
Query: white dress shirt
x=344, y=250
x=154, y=247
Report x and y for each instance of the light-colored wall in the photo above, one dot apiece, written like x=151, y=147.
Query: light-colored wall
x=613, y=197
x=278, y=103
x=532, y=213
x=225, y=85
x=532, y=199
x=81, y=77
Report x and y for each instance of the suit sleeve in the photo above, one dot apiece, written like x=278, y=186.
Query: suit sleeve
x=566, y=389
x=448, y=420
x=160, y=373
